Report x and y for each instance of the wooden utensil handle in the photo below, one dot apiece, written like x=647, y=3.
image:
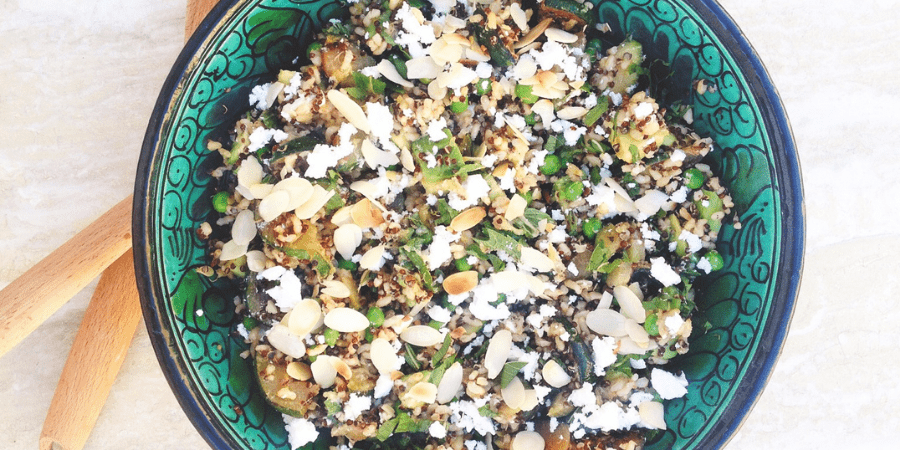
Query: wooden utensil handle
x=33, y=297
x=96, y=356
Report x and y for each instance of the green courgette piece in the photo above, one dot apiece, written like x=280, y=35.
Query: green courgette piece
x=563, y=11
x=286, y=394
x=300, y=144
x=713, y=204
x=632, y=51
x=501, y=54
x=306, y=247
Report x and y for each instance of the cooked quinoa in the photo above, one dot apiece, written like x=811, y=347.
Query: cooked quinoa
x=465, y=225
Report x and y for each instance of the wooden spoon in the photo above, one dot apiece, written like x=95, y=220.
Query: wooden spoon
x=108, y=325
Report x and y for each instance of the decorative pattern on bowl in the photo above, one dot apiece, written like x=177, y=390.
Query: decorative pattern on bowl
x=748, y=304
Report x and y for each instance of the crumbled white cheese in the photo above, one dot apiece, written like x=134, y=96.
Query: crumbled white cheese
x=704, y=265
x=439, y=314
x=693, y=241
x=381, y=121
x=324, y=157
x=439, y=250
x=475, y=188
x=667, y=384
x=356, y=405
x=604, y=353
x=677, y=156
x=436, y=128
x=437, y=430
x=583, y=396
x=261, y=136
x=383, y=386
x=258, y=96
x=642, y=110
x=680, y=194
x=465, y=415
x=661, y=270
x=300, y=431
x=674, y=323
x=571, y=132
x=287, y=293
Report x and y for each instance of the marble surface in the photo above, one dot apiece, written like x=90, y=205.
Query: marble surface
x=77, y=85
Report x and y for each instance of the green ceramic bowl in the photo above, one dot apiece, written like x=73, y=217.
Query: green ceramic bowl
x=244, y=42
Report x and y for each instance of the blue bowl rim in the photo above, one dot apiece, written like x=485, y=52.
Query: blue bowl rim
x=787, y=166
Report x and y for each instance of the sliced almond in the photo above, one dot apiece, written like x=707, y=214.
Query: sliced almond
x=527, y=440
x=383, y=355
x=627, y=346
x=450, y=383
x=437, y=91
x=346, y=320
x=630, y=304
x=637, y=333
x=537, y=259
x=606, y=322
x=544, y=109
x=533, y=33
x=349, y=109
x=444, y=52
x=422, y=336
x=256, y=261
x=341, y=368
x=423, y=67
x=316, y=201
x=508, y=280
x=231, y=250
x=423, y=392
x=461, y=282
x=261, y=190
x=497, y=352
x=531, y=401
x=468, y=219
x=557, y=35
x=653, y=414
x=651, y=202
x=555, y=375
x=249, y=173
x=299, y=370
x=514, y=393
x=389, y=71
x=305, y=316
x=571, y=112
x=243, y=230
x=406, y=159
x=299, y=189
x=283, y=340
x=347, y=238
x=516, y=207
x=475, y=53
x=371, y=260
x=519, y=17
x=323, y=371
x=341, y=216
x=274, y=205
x=335, y=289
x=376, y=157
x=365, y=214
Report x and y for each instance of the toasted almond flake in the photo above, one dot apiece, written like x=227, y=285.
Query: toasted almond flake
x=366, y=215
x=531, y=401
x=341, y=216
x=468, y=219
x=457, y=39
x=341, y=368
x=376, y=157
x=316, y=201
x=256, y=261
x=274, y=205
x=461, y=282
x=249, y=173
x=450, y=383
x=516, y=207
x=347, y=238
x=555, y=375
x=304, y=318
x=557, y=35
x=423, y=392
x=475, y=53
x=535, y=284
x=283, y=340
x=232, y=250
x=443, y=52
x=349, y=109
x=527, y=440
x=423, y=67
x=389, y=71
x=299, y=189
x=335, y=289
x=274, y=89
x=383, y=355
x=323, y=371
x=533, y=33
x=653, y=414
x=549, y=93
x=616, y=187
x=545, y=78
x=571, y=112
x=299, y=370
x=497, y=352
x=544, y=108
x=508, y=280
x=525, y=68
x=346, y=320
x=627, y=346
x=514, y=393
x=535, y=258
x=243, y=230
x=422, y=336
x=372, y=258
x=406, y=159
x=637, y=333
x=518, y=16
x=606, y=322
x=630, y=304
x=261, y=190
x=623, y=204
x=364, y=187
x=651, y=202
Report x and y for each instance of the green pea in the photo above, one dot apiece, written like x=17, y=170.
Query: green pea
x=375, y=316
x=591, y=227
x=250, y=323
x=715, y=260
x=651, y=325
x=220, y=201
x=459, y=107
x=572, y=191
x=552, y=164
x=462, y=265
x=347, y=264
x=694, y=178
x=483, y=86
x=331, y=336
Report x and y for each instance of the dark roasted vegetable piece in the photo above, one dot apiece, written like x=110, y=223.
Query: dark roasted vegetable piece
x=286, y=394
x=500, y=52
x=566, y=11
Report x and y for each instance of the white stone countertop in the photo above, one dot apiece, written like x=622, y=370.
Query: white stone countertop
x=78, y=81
